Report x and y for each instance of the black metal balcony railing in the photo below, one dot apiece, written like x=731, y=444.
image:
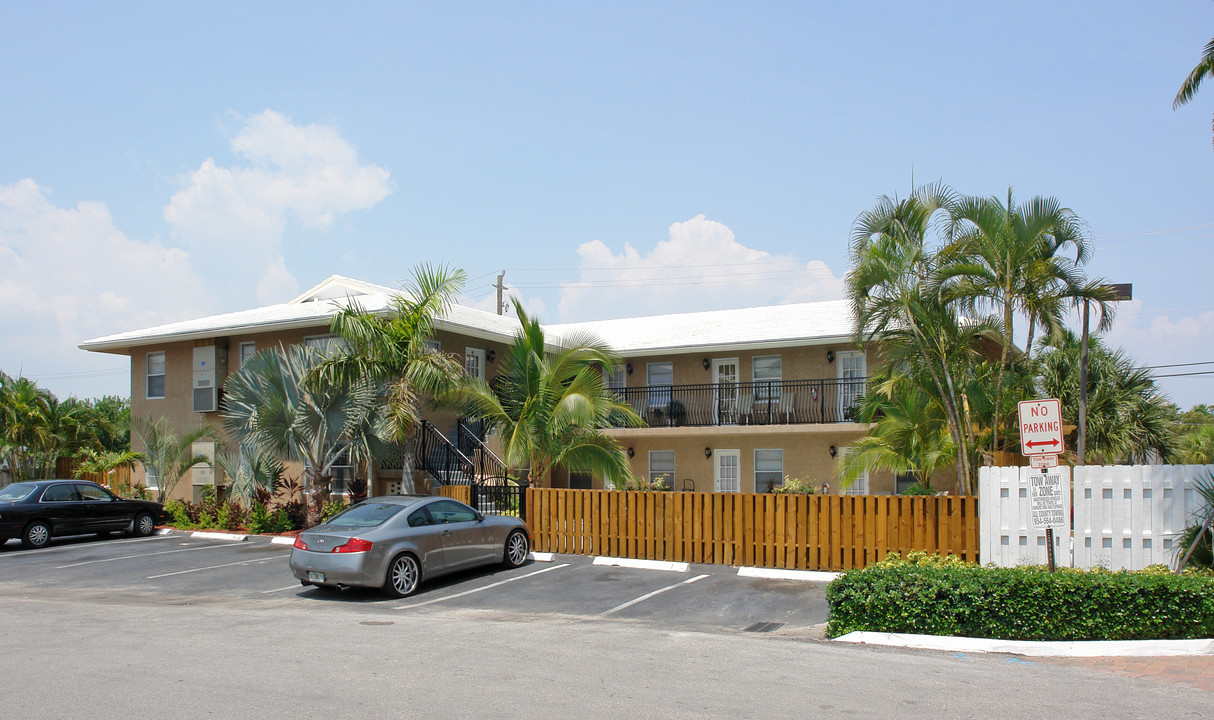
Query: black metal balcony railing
x=784, y=402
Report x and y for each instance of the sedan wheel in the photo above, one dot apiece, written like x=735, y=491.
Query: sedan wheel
x=144, y=525
x=517, y=548
x=37, y=535
x=403, y=576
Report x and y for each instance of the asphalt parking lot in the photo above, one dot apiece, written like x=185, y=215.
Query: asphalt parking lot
x=180, y=569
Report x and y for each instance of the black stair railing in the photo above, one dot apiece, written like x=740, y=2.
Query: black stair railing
x=493, y=490
x=441, y=458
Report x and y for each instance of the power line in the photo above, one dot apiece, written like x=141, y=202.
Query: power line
x=1191, y=364
x=1192, y=374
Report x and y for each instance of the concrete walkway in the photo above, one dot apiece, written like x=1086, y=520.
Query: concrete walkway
x=1195, y=671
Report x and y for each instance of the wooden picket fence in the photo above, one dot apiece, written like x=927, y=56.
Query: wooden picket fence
x=119, y=480
x=801, y=532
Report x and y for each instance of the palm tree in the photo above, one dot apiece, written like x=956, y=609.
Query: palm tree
x=391, y=348
x=251, y=474
x=167, y=455
x=1129, y=418
x=551, y=405
x=1008, y=258
x=103, y=463
x=23, y=411
x=910, y=437
x=276, y=403
x=1204, y=69
x=894, y=289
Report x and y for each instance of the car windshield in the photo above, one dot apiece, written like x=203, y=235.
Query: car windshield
x=366, y=515
x=16, y=491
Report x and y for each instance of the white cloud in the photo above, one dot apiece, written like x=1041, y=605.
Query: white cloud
x=68, y=274
x=1152, y=339
x=700, y=267
x=233, y=219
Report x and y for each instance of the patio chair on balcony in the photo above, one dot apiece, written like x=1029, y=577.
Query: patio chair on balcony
x=785, y=409
x=745, y=408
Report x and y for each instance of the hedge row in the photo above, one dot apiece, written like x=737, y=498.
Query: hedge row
x=934, y=596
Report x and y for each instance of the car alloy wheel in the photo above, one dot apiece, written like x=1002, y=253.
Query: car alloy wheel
x=517, y=548
x=403, y=576
x=37, y=535
x=144, y=525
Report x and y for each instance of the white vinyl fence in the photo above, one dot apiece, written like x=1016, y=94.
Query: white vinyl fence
x=1125, y=517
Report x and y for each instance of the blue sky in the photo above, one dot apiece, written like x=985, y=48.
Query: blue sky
x=167, y=160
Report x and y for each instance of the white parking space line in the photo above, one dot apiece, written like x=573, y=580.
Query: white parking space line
x=213, y=567
x=296, y=586
x=476, y=590
x=162, y=552
x=99, y=543
x=646, y=596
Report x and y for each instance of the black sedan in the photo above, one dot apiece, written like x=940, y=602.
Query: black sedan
x=39, y=510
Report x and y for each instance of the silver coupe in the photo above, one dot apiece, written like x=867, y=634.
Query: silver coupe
x=396, y=541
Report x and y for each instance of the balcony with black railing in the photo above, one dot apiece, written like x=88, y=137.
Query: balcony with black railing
x=779, y=402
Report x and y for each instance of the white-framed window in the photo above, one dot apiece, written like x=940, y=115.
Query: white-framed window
x=852, y=378
x=155, y=374
x=474, y=363
x=324, y=343
x=342, y=472
x=660, y=377
x=247, y=350
x=860, y=486
x=769, y=469
x=433, y=346
x=151, y=481
x=767, y=371
x=661, y=466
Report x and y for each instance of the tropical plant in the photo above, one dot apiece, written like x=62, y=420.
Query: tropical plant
x=167, y=456
x=1129, y=418
x=910, y=435
x=391, y=349
x=1008, y=258
x=1194, y=546
x=1195, y=446
x=1203, y=69
x=277, y=404
x=104, y=463
x=251, y=474
x=551, y=404
x=894, y=289
x=795, y=486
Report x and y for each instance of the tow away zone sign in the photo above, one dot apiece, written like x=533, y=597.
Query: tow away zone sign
x=1040, y=427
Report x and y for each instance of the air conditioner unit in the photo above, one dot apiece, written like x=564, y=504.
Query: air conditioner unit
x=210, y=370
x=203, y=474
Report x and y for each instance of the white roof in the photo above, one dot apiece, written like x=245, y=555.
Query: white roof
x=756, y=327
x=311, y=309
x=742, y=328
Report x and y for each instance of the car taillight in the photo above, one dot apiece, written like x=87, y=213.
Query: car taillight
x=300, y=544
x=353, y=545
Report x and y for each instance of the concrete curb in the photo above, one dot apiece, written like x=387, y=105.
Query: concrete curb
x=643, y=564
x=542, y=556
x=164, y=531
x=774, y=574
x=1084, y=648
x=281, y=540
x=231, y=537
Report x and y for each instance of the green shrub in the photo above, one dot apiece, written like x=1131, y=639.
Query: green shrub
x=941, y=596
x=177, y=511
x=282, y=522
x=331, y=508
x=794, y=486
x=260, y=520
x=917, y=489
x=643, y=483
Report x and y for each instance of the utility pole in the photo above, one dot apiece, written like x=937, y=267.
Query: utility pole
x=501, y=306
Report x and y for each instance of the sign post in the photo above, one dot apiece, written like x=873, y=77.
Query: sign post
x=1041, y=440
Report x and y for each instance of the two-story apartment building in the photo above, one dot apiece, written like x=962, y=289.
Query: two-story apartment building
x=734, y=400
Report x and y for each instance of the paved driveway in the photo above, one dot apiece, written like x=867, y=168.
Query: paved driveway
x=179, y=568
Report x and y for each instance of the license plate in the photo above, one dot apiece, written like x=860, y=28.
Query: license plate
x=316, y=577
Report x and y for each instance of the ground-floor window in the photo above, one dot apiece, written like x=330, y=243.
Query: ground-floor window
x=860, y=486
x=769, y=469
x=661, y=466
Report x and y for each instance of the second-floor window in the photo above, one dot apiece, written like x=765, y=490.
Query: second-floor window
x=247, y=350
x=767, y=375
x=155, y=373
x=660, y=376
x=474, y=363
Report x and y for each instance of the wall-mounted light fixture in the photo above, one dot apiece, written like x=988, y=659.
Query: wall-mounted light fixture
x=631, y=452
x=834, y=451
x=830, y=356
x=707, y=453
x=707, y=364
x=628, y=368
x=491, y=355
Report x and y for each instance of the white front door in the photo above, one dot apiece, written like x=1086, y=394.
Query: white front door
x=727, y=474
x=725, y=390
x=474, y=363
x=852, y=374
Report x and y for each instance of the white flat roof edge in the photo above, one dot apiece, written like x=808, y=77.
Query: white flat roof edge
x=1033, y=648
